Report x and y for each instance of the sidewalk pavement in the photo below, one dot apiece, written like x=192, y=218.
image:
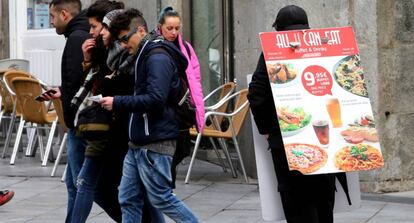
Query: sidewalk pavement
x=213, y=195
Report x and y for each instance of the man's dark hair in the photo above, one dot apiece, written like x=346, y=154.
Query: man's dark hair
x=72, y=6
x=101, y=7
x=132, y=18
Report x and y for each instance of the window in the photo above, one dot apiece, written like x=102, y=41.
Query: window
x=209, y=30
x=38, y=14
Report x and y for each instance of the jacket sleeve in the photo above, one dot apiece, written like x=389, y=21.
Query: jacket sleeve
x=160, y=71
x=261, y=100
x=74, y=60
x=196, y=90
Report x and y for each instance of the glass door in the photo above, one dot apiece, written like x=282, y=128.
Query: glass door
x=209, y=32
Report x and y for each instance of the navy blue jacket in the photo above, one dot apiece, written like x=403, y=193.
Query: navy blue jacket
x=155, y=94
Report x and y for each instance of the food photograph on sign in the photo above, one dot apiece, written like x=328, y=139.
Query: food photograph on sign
x=281, y=74
x=321, y=99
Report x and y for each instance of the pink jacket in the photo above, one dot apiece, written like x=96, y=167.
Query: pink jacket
x=194, y=82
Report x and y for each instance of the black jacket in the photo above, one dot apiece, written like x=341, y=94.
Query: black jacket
x=261, y=100
x=77, y=31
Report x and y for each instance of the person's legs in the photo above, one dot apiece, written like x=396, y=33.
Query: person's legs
x=155, y=172
x=86, y=185
x=75, y=148
x=296, y=208
x=183, y=149
x=310, y=199
x=106, y=190
x=130, y=194
x=326, y=200
x=150, y=213
x=107, y=198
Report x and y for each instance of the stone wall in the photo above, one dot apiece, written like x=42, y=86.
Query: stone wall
x=395, y=93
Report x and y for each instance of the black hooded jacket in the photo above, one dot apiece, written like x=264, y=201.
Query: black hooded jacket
x=76, y=32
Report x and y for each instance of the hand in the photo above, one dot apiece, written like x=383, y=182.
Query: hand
x=87, y=47
x=107, y=103
x=53, y=93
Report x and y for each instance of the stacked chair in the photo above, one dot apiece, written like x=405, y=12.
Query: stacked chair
x=8, y=101
x=34, y=112
x=18, y=91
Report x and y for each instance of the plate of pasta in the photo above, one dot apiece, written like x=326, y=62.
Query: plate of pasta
x=350, y=75
x=358, y=157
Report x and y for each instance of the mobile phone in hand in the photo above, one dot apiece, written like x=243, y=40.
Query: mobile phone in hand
x=49, y=92
x=40, y=98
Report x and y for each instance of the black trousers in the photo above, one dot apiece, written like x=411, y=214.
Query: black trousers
x=111, y=177
x=305, y=198
x=182, y=150
x=305, y=208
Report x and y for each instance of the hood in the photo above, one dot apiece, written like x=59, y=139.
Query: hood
x=79, y=22
x=291, y=17
x=175, y=53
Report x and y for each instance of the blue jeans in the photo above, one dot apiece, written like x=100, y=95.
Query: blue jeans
x=106, y=196
x=147, y=173
x=86, y=185
x=75, y=148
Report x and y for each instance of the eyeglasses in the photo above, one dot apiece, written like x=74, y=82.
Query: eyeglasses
x=125, y=38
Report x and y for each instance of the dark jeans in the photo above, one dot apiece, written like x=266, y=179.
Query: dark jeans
x=105, y=195
x=75, y=148
x=86, y=184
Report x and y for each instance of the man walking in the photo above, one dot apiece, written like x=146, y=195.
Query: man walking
x=153, y=126
x=68, y=20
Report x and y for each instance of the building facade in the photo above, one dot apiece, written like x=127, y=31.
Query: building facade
x=225, y=36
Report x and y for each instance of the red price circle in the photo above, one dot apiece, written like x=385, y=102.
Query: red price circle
x=317, y=80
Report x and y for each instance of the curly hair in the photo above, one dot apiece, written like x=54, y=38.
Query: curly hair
x=126, y=21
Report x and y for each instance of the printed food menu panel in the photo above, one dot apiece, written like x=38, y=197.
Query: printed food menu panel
x=321, y=99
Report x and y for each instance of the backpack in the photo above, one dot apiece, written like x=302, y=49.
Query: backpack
x=184, y=108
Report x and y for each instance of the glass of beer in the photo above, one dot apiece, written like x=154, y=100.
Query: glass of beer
x=334, y=111
x=321, y=128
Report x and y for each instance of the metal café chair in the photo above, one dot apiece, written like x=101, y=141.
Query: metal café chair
x=59, y=111
x=10, y=101
x=33, y=111
x=220, y=93
x=236, y=120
